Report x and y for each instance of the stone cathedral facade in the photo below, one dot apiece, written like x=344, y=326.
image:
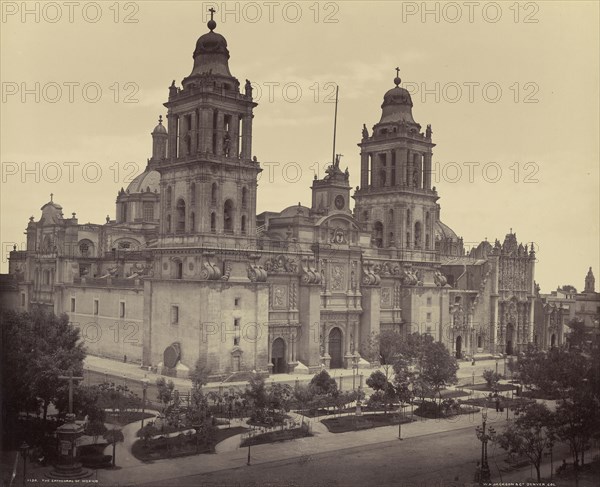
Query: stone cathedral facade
x=188, y=271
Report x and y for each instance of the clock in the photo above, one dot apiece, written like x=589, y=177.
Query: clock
x=339, y=202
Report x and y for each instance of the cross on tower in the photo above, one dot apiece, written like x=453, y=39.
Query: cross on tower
x=398, y=72
x=70, y=378
x=212, y=11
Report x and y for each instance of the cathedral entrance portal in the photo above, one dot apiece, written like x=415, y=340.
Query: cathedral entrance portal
x=458, y=346
x=278, y=356
x=335, y=348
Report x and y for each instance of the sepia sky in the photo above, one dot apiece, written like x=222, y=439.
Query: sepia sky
x=510, y=89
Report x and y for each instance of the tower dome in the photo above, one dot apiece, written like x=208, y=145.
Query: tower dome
x=397, y=104
x=211, y=55
x=160, y=128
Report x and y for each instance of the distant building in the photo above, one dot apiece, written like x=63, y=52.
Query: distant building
x=188, y=271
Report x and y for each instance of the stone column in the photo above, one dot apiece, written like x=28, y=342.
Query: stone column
x=220, y=133
x=206, y=130
x=364, y=169
x=246, y=152
x=427, y=169
x=234, y=136
x=194, y=134
x=172, y=122
x=410, y=168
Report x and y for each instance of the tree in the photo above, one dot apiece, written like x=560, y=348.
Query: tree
x=568, y=289
x=384, y=389
x=37, y=347
x=529, y=434
x=437, y=366
x=199, y=375
x=165, y=391
x=578, y=421
x=114, y=436
x=95, y=429
x=323, y=384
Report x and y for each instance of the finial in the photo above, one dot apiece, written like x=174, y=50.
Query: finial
x=397, y=79
x=211, y=23
x=51, y=196
x=160, y=119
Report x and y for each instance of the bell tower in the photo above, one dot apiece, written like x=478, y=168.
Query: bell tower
x=590, y=282
x=209, y=177
x=395, y=200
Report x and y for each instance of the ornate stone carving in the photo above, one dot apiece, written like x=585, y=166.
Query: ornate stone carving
x=280, y=264
x=279, y=299
x=227, y=272
x=310, y=275
x=257, y=273
x=370, y=278
x=338, y=236
x=337, y=277
x=293, y=296
x=386, y=297
x=439, y=279
x=210, y=272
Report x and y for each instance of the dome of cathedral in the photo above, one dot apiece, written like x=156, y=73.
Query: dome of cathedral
x=147, y=181
x=442, y=230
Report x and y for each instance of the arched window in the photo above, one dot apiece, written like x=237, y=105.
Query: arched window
x=391, y=241
x=378, y=234
x=426, y=242
x=244, y=197
x=427, y=218
x=168, y=223
x=124, y=212
x=192, y=222
x=193, y=194
x=408, y=240
x=84, y=249
x=213, y=222
x=228, y=216
x=213, y=194
x=180, y=216
x=244, y=224
x=408, y=216
x=177, y=269
x=417, y=235
x=169, y=196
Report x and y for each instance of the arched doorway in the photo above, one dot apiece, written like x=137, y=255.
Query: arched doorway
x=278, y=356
x=459, y=346
x=553, y=340
x=335, y=348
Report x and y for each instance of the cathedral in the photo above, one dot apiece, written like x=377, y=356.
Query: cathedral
x=188, y=271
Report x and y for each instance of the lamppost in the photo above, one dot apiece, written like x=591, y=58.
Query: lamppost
x=400, y=418
x=23, y=449
x=354, y=371
x=145, y=381
x=483, y=436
